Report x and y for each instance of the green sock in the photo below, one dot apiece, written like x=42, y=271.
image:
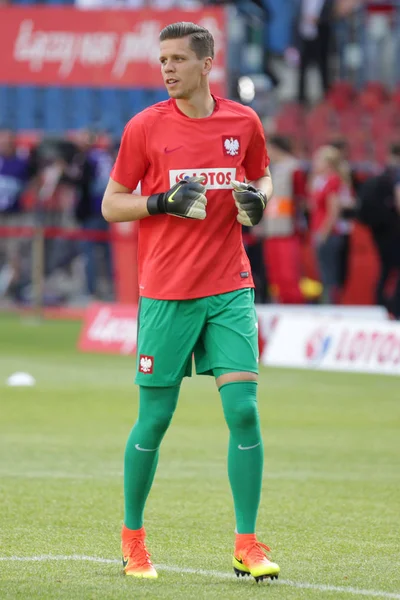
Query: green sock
x=245, y=455
x=156, y=407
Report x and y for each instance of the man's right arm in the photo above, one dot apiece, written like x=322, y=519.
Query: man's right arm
x=186, y=199
x=119, y=204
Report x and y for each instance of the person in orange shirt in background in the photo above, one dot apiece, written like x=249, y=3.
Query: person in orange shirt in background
x=278, y=227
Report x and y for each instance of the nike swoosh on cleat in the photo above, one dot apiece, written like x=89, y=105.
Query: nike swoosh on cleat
x=125, y=561
x=145, y=449
x=248, y=447
x=169, y=150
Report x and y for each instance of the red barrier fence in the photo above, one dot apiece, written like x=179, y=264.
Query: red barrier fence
x=58, y=232
x=123, y=240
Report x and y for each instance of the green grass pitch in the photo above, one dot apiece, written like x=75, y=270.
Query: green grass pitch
x=331, y=496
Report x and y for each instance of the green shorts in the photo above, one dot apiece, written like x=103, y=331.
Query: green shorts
x=221, y=331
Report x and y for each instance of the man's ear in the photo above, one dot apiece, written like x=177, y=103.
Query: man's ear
x=207, y=65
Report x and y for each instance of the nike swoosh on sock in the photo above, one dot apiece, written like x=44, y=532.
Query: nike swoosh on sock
x=248, y=447
x=145, y=449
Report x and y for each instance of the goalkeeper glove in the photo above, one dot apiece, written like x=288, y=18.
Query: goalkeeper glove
x=185, y=199
x=250, y=203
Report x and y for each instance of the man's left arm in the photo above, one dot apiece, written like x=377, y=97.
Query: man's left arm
x=251, y=198
x=264, y=184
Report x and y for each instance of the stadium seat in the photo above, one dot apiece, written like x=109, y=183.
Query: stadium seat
x=26, y=107
x=54, y=105
x=82, y=108
x=3, y=105
x=141, y=98
x=7, y=107
x=133, y=101
x=373, y=97
x=111, y=110
x=350, y=121
x=396, y=98
x=158, y=95
x=341, y=95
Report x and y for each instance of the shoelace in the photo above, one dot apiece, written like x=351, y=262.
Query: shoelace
x=256, y=552
x=138, y=552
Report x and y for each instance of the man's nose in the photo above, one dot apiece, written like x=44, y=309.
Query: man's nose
x=169, y=66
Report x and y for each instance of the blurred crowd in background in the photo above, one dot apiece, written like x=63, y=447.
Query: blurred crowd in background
x=323, y=76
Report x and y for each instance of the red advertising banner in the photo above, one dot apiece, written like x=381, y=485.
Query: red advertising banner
x=118, y=48
x=109, y=328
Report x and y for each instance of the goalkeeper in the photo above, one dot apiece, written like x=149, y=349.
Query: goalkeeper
x=192, y=155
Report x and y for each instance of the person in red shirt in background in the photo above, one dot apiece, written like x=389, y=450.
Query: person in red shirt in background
x=329, y=189
x=348, y=206
x=278, y=227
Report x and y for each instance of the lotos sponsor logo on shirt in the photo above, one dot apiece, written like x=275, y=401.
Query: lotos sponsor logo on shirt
x=215, y=179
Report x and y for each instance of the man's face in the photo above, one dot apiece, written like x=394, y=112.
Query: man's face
x=182, y=71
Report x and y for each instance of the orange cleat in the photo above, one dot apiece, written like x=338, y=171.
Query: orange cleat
x=135, y=557
x=250, y=558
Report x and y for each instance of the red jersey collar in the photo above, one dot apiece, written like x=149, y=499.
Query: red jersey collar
x=216, y=108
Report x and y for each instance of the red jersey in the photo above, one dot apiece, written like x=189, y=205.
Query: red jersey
x=322, y=187
x=180, y=259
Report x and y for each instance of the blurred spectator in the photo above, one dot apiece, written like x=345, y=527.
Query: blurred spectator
x=329, y=186
x=279, y=28
x=380, y=210
x=278, y=227
x=344, y=8
x=255, y=252
x=14, y=175
x=315, y=32
x=57, y=166
x=95, y=173
x=347, y=209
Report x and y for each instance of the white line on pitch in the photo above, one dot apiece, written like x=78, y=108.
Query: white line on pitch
x=204, y=573
x=186, y=472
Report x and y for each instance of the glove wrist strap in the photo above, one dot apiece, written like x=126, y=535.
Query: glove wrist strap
x=155, y=204
x=263, y=196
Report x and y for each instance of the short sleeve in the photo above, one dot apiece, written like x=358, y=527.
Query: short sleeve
x=131, y=163
x=256, y=159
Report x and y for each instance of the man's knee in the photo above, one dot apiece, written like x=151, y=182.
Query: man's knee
x=158, y=423
x=235, y=376
x=243, y=415
x=239, y=401
x=157, y=407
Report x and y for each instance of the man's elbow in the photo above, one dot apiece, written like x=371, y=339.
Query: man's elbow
x=106, y=210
